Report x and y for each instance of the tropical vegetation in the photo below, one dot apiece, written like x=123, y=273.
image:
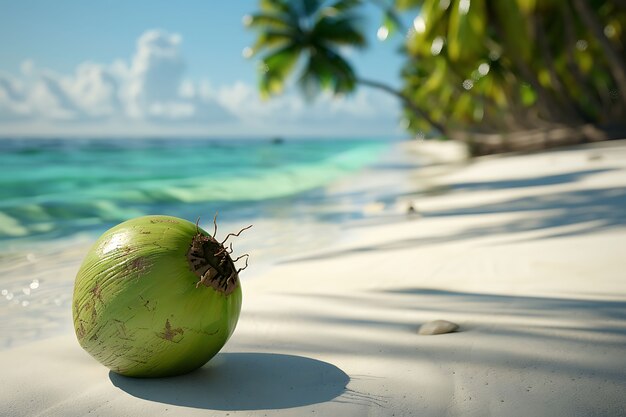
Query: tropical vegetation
x=472, y=68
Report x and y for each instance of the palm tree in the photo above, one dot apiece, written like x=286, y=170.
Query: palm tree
x=541, y=70
x=479, y=66
x=307, y=37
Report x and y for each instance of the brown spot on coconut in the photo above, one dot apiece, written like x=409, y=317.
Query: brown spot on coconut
x=138, y=265
x=169, y=333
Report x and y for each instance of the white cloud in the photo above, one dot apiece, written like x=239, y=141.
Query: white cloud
x=187, y=89
x=94, y=89
x=149, y=89
x=27, y=67
x=244, y=101
x=361, y=111
x=154, y=77
x=50, y=100
x=12, y=103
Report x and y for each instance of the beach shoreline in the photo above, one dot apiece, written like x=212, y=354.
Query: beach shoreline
x=38, y=269
x=524, y=252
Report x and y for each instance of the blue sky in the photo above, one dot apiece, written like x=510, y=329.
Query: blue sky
x=136, y=68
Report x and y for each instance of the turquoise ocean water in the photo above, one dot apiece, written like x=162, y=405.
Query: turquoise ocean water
x=57, y=188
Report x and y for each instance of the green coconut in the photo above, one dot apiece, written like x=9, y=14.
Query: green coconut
x=156, y=296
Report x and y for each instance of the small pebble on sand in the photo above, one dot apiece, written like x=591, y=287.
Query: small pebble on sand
x=437, y=327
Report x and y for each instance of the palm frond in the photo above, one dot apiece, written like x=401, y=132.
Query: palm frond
x=327, y=70
x=311, y=29
x=284, y=8
x=310, y=7
x=271, y=40
x=339, y=30
x=343, y=6
x=267, y=21
x=408, y=4
x=274, y=5
x=275, y=68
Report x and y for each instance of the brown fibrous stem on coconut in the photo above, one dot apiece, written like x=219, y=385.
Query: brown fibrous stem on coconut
x=245, y=255
x=210, y=260
x=235, y=234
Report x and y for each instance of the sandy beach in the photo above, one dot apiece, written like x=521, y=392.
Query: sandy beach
x=525, y=252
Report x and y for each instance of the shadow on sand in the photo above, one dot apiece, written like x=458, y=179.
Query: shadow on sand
x=559, y=336
x=244, y=381
x=589, y=211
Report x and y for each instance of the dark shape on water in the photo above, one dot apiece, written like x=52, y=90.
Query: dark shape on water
x=278, y=140
x=244, y=381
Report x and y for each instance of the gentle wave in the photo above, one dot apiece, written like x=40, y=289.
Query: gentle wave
x=50, y=189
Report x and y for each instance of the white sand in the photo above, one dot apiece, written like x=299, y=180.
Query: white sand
x=526, y=253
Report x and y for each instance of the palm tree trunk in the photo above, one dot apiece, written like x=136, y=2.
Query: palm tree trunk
x=616, y=65
x=406, y=101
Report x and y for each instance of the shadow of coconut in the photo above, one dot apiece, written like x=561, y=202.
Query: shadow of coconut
x=244, y=381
